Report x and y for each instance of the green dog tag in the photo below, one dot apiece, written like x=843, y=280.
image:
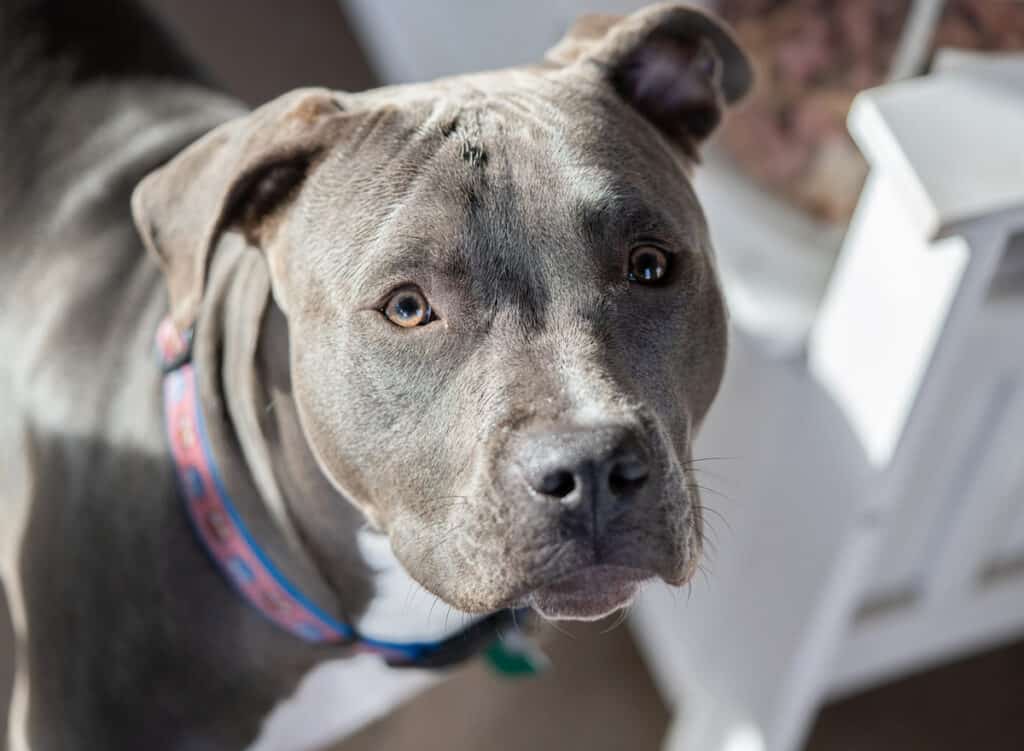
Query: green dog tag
x=513, y=655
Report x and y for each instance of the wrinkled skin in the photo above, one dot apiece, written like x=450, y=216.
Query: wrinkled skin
x=522, y=203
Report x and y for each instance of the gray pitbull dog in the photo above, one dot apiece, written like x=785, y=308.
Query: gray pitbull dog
x=472, y=325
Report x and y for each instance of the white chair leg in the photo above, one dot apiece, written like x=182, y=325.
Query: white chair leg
x=704, y=723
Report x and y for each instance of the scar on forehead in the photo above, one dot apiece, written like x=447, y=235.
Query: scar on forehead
x=471, y=148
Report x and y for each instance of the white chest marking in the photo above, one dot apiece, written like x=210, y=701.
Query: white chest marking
x=402, y=610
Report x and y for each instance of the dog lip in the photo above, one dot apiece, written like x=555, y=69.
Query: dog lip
x=589, y=593
x=597, y=575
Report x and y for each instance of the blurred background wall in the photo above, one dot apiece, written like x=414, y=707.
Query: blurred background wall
x=258, y=49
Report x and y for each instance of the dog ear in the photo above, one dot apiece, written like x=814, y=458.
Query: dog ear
x=676, y=65
x=239, y=174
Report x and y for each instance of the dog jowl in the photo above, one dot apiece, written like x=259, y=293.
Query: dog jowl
x=504, y=325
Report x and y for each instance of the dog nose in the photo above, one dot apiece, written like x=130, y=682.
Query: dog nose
x=593, y=473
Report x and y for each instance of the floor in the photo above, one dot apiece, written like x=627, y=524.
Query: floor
x=598, y=697
x=976, y=703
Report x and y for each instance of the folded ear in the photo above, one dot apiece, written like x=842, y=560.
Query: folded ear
x=676, y=65
x=239, y=174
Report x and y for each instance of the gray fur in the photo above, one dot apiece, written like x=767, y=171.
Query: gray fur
x=511, y=198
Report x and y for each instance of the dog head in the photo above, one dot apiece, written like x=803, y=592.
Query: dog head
x=504, y=320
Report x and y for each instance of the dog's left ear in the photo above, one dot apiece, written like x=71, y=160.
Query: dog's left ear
x=676, y=65
x=238, y=175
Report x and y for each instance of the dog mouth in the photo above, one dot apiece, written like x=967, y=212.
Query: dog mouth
x=590, y=593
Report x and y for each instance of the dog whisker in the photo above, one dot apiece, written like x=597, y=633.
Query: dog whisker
x=704, y=572
x=620, y=619
x=553, y=622
x=687, y=462
x=708, y=489
x=716, y=512
x=715, y=475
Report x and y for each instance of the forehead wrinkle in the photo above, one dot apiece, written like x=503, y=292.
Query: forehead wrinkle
x=498, y=243
x=532, y=110
x=427, y=192
x=521, y=230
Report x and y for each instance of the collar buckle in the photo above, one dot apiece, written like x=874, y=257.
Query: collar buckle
x=173, y=347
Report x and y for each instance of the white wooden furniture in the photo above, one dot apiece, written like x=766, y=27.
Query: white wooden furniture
x=875, y=490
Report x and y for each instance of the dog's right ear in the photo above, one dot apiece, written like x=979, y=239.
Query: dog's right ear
x=239, y=174
x=676, y=65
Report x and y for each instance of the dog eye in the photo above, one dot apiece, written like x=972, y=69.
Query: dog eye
x=647, y=264
x=408, y=308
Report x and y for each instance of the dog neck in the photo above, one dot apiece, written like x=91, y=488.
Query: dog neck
x=325, y=546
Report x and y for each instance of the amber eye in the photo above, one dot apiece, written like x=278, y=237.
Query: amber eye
x=647, y=264
x=408, y=308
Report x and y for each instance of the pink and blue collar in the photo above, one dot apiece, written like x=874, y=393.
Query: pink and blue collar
x=233, y=550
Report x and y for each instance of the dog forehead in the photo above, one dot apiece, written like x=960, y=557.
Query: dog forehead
x=521, y=126
x=488, y=177
x=506, y=211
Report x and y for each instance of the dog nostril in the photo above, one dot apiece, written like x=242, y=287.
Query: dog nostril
x=558, y=484
x=627, y=477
